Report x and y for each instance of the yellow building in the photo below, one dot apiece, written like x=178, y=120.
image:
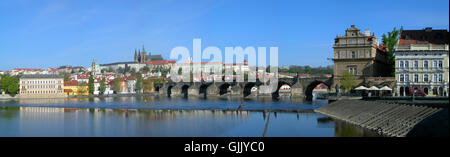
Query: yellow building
x=422, y=62
x=75, y=88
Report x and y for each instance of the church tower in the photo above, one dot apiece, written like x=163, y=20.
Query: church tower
x=144, y=54
x=135, y=56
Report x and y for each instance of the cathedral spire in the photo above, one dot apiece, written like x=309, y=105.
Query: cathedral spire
x=135, y=56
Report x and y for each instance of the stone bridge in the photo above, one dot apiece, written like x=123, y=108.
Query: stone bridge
x=299, y=88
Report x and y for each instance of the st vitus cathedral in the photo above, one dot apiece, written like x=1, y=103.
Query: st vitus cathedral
x=142, y=57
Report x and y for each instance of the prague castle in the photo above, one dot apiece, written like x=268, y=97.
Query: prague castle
x=142, y=57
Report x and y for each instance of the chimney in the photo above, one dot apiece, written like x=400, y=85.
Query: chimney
x=367, y=32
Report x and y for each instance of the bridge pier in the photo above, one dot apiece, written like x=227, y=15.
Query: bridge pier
x=212, y=91
x=264, y=91
x=163, y=90
x=236, y=90
x=297, y=91
x=177, y=91
x=194, y=91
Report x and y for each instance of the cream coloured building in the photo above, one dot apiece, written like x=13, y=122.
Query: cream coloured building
x=421, y=62
x=41, y=86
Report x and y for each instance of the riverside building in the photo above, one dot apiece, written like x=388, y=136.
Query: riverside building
x=41, y=86
x=359, y=54
x=421, y=62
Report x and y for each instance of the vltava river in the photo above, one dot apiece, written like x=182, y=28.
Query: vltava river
x=163, y=117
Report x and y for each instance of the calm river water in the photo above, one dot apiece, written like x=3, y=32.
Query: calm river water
x=162, y=117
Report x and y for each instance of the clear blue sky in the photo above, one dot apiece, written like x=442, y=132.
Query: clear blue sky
x=50, y=33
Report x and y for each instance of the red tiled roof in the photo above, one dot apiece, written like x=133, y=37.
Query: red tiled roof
x=423, y=37
x=25, y=69
x=71, y=83
x=382, y=48
x=83, y=76
x=160, y=62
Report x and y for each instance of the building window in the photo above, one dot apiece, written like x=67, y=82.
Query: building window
x=425, y=78
x=434, y=64
x=402, y=78
x=401, y=64
x=406, y=77
x=407, y=37
x=361, y=41
x=353, y=54
x=416, y=64
x=434, y=78
x=425, y=64
x=416, y=78
x=407, y=64
x=440, y=64
x=352, y=70
x=440, y=78
x=423, y=37
x=337, y=54
x=361, y=53
x=344, y=54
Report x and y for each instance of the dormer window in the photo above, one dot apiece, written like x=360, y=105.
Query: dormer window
x=438, y=36
x=423, y=37
x=407, y=37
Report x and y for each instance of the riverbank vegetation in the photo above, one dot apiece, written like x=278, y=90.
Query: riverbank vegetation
x=9, y=84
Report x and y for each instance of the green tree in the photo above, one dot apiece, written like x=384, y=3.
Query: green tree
x=138, y=83
x=102, y=87
x=390, y=41
x=81, y=89
x=159, y=81
x=10, y=84
x=148, y=85
x=91, y=84
x=120, y=70
x=65, y=75
x=145, y=69
x=116, y=84
x=180, y=71
x=348, y=81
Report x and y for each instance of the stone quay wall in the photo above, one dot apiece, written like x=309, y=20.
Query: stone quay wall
x=386, y=118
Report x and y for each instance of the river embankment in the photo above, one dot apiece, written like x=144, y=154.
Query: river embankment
x=389, y=119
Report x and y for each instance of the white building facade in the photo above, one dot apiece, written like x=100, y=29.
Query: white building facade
x=421, y=62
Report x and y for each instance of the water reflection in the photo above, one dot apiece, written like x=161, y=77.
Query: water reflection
x=174, y=117
x=80, y=122
x=158, y=103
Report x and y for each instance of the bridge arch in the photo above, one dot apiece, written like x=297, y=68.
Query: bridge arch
x=282, y=83
x=184, y=91
x=223, y=88
x=247, y=88
x=202, y=91
x=169, y=90
x=309, y=89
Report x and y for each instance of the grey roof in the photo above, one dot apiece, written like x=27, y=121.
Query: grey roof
x=154, y=57
x=116, y=63
x=41, y=76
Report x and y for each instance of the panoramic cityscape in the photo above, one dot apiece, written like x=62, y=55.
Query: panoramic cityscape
x=165, y=69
